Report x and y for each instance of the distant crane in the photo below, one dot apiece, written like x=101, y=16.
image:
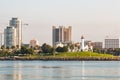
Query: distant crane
x=25, y=24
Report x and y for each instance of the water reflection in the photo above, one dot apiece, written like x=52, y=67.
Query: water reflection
x=100, y=70
x=10, y=71
x=62, y=70
x=83, y=70
x=17, y=71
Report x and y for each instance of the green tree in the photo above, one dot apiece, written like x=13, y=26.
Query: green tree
x=17, y=52
x=2, y=47
x=71, y=47
x=8, y=47
x=47, y=48
x=65, y=49
x=17, y=46
x=30, y=51
x=52, y=50
x=13, y=47
x=23, y=50
x=59, y=49
x=116, y=52
x=62, y=49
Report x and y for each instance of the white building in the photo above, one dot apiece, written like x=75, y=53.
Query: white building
x=34, y=43
x=82, y=43
x=59, y=44
x=112, y=43
x=17, y=24
x=10, y=37
x=85, y=45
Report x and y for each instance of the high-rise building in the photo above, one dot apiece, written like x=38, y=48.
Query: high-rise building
x=10, y=36
x=13, y=33
x=112, y=43
x=17, y=24
x=61, y=34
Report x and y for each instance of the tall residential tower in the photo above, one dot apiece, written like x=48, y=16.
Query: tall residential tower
x=9, y=37
x=61, y=34
x=17, y=24
x=13, y=33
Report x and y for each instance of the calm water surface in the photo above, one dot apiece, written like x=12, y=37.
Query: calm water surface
x=59, y=70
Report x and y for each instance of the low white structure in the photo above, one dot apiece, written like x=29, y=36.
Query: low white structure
x=82, y=43
x=85, y=45
x=59, y=44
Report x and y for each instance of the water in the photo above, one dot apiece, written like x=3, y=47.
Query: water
x=59, y=70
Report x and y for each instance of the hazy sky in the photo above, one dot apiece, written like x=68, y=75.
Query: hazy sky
x=94, y=19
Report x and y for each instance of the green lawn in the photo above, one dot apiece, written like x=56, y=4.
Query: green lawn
x=82, y=54
x=73, y=55
x=70, y=56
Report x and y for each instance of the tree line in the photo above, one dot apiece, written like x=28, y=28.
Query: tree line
x=47, y=49
x=25, y=50
x=113, y=51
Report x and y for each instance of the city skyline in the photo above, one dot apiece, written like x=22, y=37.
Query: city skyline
x=90, y=18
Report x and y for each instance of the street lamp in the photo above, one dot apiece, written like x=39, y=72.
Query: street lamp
x=1, y=37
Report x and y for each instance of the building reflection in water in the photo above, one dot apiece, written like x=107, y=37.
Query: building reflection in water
x=13, y=71
x=83, y=70
x=17, y=72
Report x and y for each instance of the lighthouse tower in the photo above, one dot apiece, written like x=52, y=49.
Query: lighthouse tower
x=82, y=43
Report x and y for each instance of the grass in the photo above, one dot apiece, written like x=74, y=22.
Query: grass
x=72, y=55
x=83, y=54
x=69, y=56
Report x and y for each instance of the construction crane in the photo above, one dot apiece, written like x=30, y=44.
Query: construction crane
x=25, y=24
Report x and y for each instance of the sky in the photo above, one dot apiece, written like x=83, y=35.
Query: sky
x=95, y=19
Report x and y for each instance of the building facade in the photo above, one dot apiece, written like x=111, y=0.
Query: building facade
x=61, y=34
x=34, y=43
x=85, y=45
x=13, y=33
x=112, y=43
x=17, y=24
x=97, y=45
x=82, y=43
x=9, y=37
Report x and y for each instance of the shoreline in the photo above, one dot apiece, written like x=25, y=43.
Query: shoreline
x=59, y=59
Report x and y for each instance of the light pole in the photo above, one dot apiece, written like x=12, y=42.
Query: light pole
x=1, y=37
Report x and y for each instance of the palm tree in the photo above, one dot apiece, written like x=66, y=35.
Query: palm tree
x=2, y=47
x=71, y=47
x=13, y=47
x=17, y=46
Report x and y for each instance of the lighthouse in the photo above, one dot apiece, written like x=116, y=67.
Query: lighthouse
x=82, y=43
